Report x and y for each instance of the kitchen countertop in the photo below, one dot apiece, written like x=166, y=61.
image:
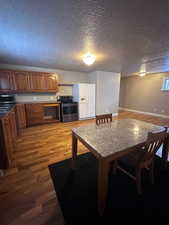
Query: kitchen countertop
x=39, y=102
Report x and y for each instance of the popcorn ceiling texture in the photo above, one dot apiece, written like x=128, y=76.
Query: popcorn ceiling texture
x=55, y=34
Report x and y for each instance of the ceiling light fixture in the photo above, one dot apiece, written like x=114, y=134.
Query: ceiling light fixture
x=142, y=74
x=89, y=59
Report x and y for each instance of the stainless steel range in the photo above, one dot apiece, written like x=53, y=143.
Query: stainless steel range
x=69, y=109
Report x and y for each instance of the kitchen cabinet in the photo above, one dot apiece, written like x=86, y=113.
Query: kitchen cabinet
x=12, y=118
x=37, y=82
x=6, y=143
x=28, y=81
x=21, y=81
x=42, y=113
x=6, y=81
x=20, y=116
x=8, y=135
x=34, y=114
x=51, y=82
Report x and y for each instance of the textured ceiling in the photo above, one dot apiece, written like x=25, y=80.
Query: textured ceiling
x=56, y=33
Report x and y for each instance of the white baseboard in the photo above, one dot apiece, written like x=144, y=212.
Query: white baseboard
x=142, y=112
x=114, y=114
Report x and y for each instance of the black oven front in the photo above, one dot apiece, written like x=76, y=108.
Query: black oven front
x=69, y=112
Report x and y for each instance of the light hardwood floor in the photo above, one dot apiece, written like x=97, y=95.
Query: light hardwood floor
x=27, y=195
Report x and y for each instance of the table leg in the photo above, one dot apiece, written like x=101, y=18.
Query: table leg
x=74, y=150
x=103, y=175
x=1, y=173
x=165, y=151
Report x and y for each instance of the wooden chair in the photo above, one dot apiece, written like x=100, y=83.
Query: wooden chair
x=164, y=149
x=105, y=118
x=142, y=158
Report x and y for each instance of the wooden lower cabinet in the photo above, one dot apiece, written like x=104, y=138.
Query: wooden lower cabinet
x=8, y=135
x=20, y=116
x=34, y=114
x=12, y=118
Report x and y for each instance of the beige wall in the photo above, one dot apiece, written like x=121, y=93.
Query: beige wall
x=144, y=94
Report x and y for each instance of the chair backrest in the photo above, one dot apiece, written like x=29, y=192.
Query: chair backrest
x=166, y=141
x=105, y=118
x=153, y=143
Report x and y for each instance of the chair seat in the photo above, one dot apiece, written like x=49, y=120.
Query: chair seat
x=133, y=158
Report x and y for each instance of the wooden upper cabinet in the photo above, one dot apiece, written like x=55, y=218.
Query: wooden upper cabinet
x=51, y=82
x=25, y=81
x=6, y=80
x=37, y=82
x=21, y=81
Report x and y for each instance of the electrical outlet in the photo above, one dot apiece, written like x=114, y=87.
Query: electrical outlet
x=162, y=110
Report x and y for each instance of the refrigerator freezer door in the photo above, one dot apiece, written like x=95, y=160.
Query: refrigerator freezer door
x=83, y=93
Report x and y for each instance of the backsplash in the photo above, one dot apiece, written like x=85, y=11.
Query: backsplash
x=38, y=97
x=65, y=90
x=35, y=97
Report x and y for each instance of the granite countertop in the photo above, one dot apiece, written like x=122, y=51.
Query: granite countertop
x=37, y=102
x=111, y=138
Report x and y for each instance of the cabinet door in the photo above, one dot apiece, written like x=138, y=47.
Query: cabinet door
x=51, y=82
x=21, y=81
x=20, y=116
x=34, y=114
x=7, y=142
x=37, y=82
x=6, y=80
x=12, y=119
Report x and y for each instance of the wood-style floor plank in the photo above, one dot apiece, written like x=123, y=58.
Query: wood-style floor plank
x=27, y=195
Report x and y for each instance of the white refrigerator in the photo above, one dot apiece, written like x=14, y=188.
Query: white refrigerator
x=84, y=94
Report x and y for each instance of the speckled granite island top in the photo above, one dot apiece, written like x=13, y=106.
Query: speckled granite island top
x=111, y=138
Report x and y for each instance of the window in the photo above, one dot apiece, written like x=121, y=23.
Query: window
x=165, y=86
